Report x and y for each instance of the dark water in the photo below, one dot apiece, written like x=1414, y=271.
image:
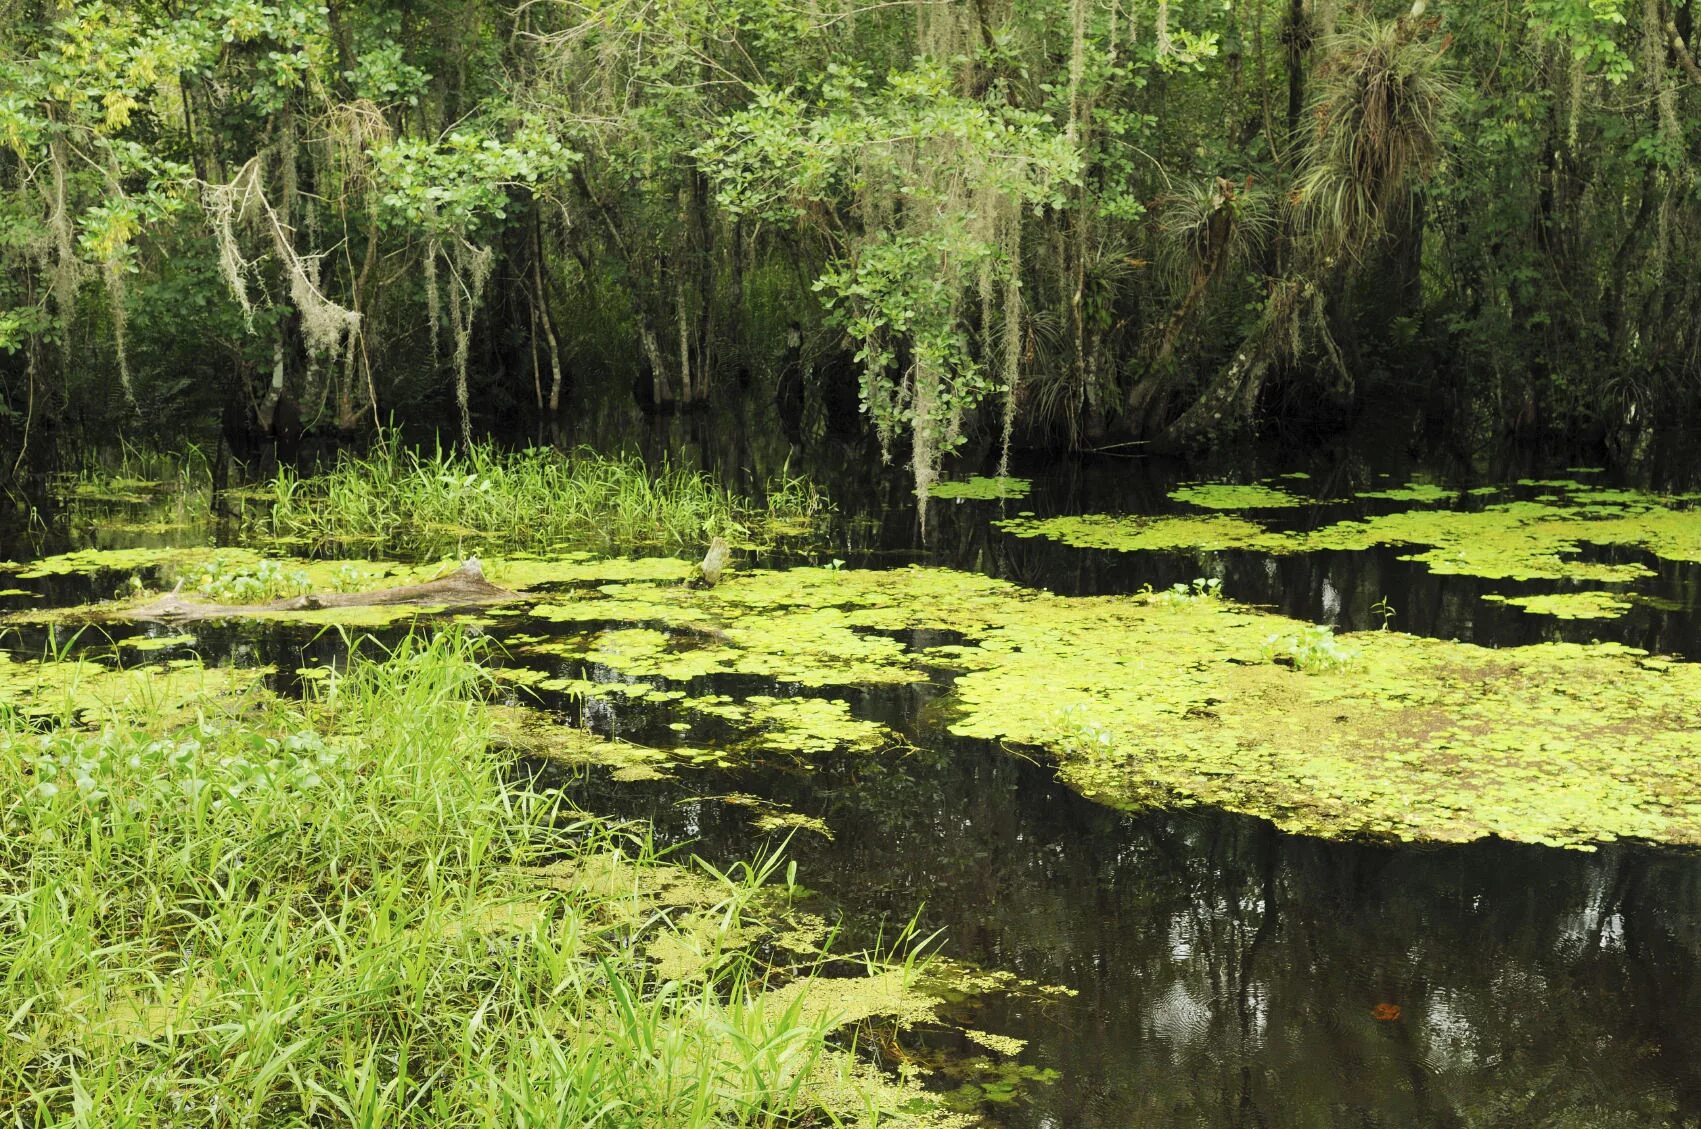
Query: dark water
x=1227, y=974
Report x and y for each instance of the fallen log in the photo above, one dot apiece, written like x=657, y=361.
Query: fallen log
x=465, y=587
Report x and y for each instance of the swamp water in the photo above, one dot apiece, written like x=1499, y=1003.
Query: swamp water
x=1218, y=971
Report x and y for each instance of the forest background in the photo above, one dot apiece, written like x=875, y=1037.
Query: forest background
x=1067, y=222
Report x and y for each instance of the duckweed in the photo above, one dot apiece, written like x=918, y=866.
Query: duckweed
x=1411, y=492
x=981, y=488
x=1412, y=738
x=1188, y=699
x=1227, y=496
x=1569, y=605
x=1152, y=534
x=1519, y=540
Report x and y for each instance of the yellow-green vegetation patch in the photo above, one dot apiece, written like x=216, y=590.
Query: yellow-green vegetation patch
x=1152, y=534
x=1513, y=541
x=86, y=690
x=1517, y=540
x=89, y=561
x=704, y=919
x=1569, y=605
x=1184, y=698
x=795, y=725
x=17, y=592
x=127, y=491
x=775, y=817
x=1412, y=738
x=1231, y=496
x=812, y=725
x=1001, y=1044
x=159, y=642
x=982, y=488
x=538, y=734
x=1411, y=492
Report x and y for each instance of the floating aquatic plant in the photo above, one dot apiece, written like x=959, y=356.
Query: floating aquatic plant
x=1228, y=496
x=1313, y=647
x=981, y=488
x=1569, y=605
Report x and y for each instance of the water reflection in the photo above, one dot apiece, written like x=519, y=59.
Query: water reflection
x=1228, y=974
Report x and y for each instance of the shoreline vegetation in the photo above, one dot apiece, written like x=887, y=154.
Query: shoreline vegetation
x=350, y=909
x=219, y=901
x=400, y=500
x=1173, y=697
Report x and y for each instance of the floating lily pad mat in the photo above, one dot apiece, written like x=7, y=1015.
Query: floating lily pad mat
x=981, y=487
x=1413, y=738
x=1229, y=496
x=1514, y=540
x=1148, y=699
x=1569, y=605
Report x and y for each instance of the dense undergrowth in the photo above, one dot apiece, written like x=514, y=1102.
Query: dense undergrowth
x=403, y=500
x=343, y=912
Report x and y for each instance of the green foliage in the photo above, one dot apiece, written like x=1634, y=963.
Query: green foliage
x=1313, y=648
x=343, y=909
x=940, y=180
x=456, y=184
x=430, y=504
x=1127, y=214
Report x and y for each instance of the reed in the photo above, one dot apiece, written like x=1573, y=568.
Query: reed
x=405, y=500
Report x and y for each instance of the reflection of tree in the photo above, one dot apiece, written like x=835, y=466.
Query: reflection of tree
x=1227, y=973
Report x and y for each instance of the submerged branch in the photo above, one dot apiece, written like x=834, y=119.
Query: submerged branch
x=464, y=587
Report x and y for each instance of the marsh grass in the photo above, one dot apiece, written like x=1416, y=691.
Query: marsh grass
x=343, y=912
x=137, y=472
x=405, y=500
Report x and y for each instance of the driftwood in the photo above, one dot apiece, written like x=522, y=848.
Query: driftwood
x=464, y=587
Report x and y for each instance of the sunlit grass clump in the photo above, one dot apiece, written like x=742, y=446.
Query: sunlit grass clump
x=405, y=500
x=343, y=913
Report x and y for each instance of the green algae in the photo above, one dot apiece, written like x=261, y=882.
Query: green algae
x=1187, y=700
x=1414, y=738
x=774, y=822
x=1421, y=739
x=159, y=642
x=1411, y=492
x=1569, y=605
x=1151, y=534
x=83, y=690
x=1515, y=540
x=981, y=488
x=1229, y=496
x=810, y=725
x=773, y=818
x=1512, y=541
x=91, y=561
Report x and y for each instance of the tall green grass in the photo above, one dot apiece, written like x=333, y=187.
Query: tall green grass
x=322, y=914
x=405, y=500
